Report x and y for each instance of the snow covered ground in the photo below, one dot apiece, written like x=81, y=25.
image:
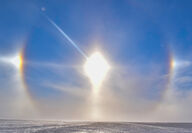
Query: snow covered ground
x=27, y=126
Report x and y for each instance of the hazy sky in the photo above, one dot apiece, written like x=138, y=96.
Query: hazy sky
x=147, y=43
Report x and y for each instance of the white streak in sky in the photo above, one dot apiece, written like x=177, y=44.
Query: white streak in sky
x=67, y=37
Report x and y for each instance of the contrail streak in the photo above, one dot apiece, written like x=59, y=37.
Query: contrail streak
x=67, y=37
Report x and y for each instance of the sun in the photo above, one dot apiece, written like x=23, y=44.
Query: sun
x=96, y=69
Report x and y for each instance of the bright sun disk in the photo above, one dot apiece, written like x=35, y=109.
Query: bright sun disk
x=96, y=68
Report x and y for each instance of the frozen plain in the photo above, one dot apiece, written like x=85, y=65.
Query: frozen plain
x=34, y=126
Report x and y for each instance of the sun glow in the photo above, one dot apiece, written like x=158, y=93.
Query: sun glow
x=96, y=68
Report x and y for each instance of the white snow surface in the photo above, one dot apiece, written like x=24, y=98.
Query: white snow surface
x=35, y=126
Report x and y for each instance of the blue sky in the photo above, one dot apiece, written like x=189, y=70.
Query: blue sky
x=140, y=39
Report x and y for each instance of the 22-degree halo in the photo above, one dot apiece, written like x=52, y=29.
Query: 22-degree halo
x=96, y=69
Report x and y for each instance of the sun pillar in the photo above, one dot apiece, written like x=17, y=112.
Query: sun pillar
x=96, y=69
